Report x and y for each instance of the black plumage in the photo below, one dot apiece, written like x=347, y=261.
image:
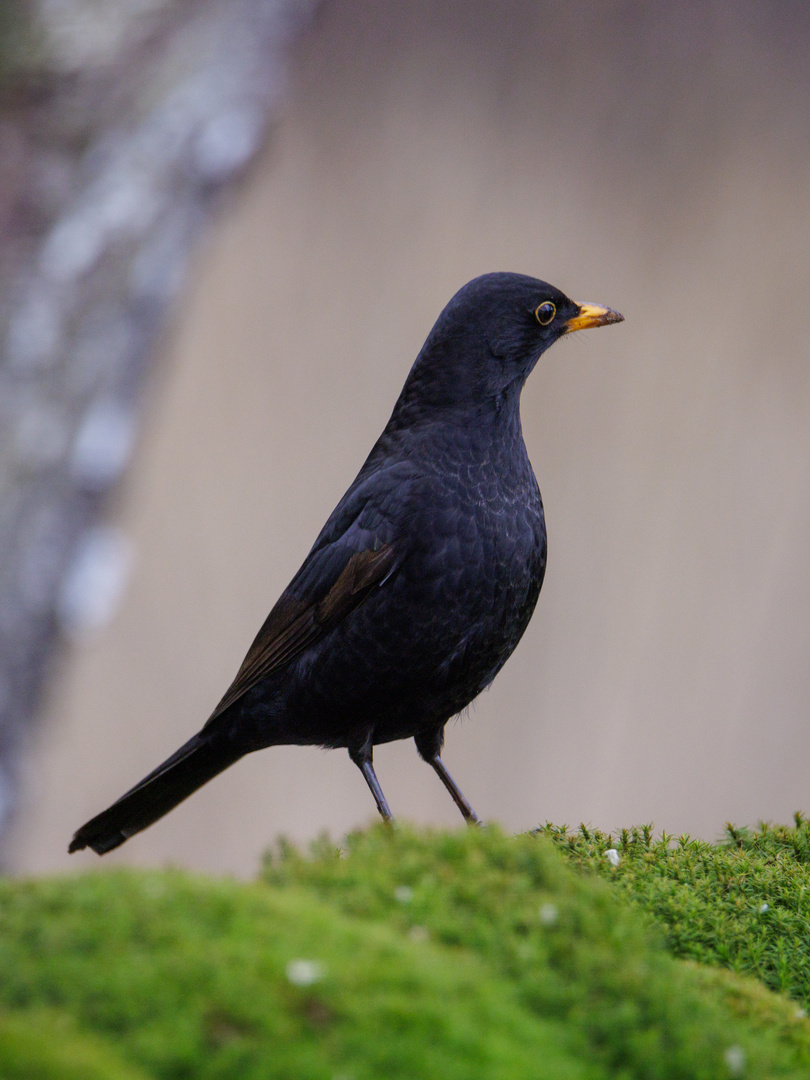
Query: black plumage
x=423, y=579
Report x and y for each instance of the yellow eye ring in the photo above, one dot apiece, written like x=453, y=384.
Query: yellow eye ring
x=545, y=313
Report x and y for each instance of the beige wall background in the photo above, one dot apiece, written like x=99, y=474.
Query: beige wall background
x=650, y=157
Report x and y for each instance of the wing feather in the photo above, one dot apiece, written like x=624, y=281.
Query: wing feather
x=293, y=624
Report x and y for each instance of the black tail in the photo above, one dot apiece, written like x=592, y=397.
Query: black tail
x=194, y=764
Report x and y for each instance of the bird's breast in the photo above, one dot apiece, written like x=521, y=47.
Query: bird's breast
x=478, y=551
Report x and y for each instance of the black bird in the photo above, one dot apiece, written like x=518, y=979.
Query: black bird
x=420, y=584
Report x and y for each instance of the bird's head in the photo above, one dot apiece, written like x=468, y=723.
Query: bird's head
x=489, y=337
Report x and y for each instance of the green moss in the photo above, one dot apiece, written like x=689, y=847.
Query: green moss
x=568, y=944
x=46, y=1046
x=743, y=904
x=407, y=954
x=191, y=977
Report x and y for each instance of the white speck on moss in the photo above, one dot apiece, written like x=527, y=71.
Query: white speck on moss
x=613, y=856
x=763, y=908
x=304, y=972
x=548, y=914
x=734, y=1058
x=403, y=894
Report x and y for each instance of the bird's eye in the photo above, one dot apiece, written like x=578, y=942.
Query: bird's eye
x=545, y=313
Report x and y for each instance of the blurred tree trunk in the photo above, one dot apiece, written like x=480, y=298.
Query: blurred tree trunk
x=120, y=123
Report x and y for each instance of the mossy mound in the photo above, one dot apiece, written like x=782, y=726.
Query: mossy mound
x=405, y=954
x=197, y=978
x=45, y=1046
x=570, y=948
x=743, y=904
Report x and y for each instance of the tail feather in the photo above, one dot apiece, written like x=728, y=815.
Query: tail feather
x=194, y=764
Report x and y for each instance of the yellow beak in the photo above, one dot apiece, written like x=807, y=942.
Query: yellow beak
x=592, y=315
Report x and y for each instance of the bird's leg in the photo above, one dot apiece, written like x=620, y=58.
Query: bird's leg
x=363, y=760
x=429, y=746
x=458, y=795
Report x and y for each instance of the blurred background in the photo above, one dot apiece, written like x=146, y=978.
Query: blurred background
x=653, y=158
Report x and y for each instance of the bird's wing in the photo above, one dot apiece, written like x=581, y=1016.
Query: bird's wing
x=355, y=552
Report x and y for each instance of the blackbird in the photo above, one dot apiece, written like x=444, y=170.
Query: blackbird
x=420, y=584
